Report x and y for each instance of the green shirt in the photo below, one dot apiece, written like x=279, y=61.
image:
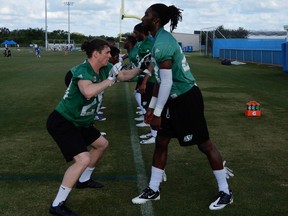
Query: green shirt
x=133, y=55
x=165, y=48
x=74, y=106
x=145, y=48
x=134, y=59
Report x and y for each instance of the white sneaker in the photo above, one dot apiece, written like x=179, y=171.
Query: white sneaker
x=142, y=124
x=100, y=112
x=103, y=133
x=146, y=136
x=221, y=201
x=164, y=178
x=148, y=141
x=147, y=195
x=102, y=107
x=139, y=113
x=140, y=118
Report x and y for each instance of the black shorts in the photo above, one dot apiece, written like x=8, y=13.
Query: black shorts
x=71, y=140
x=183, y=118
x=146, y=98
x=139, y=82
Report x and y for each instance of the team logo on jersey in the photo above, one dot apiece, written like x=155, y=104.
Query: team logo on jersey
x=187, y=138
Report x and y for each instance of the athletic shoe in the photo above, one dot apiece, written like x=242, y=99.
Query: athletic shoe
x=221, y=201
x=140, y=118
x=103, y=133
x=146, y=195
x=102, y=108
x=61, y=210
x=138, y=108
x=99, y=118
x=151, y=140
x=164, y=177
x=89, y=184
x=140, y=113
x=146, y=136
x=100, y=112
x=142, y=124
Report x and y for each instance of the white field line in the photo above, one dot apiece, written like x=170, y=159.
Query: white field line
x=147, y=208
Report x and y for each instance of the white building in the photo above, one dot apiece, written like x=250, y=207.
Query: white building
x=188, y=40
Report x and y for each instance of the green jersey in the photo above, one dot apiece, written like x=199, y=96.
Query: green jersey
x=145, y=48
x=74, y=106
x=133, y=55
x=165, y=48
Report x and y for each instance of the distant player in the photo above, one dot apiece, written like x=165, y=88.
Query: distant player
x=37, y=51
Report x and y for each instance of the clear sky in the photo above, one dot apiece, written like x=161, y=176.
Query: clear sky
x=102, y=17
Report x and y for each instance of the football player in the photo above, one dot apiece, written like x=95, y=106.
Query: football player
x=176, y=109
x=71, y=122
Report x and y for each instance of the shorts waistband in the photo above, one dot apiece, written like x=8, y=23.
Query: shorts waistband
x=174, y=96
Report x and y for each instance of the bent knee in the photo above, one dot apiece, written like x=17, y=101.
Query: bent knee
x=83, y=159
x=105, y=144
x=101, y=143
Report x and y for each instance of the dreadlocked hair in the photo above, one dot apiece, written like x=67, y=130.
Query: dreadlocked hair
x=167, y=14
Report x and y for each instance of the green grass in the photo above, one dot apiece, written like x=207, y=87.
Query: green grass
x=31, y=165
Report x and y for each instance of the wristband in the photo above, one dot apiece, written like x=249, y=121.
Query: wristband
x=111, y=79
x=146, y=71
x=153, y=102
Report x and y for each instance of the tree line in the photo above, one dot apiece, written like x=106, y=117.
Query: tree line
x=24, y=37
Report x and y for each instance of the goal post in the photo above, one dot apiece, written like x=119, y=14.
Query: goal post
x=123, y=16
x=209, y=34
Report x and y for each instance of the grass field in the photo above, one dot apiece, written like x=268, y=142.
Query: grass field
x=31, y=165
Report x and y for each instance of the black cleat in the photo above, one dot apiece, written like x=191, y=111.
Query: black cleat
x=89, y=184
x=61, y=210
x=146, y=195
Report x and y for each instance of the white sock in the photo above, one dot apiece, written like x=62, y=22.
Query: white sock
x=143, y=110
x=156, y=178
x=62, y=195
x=137, y=96
x=220, y=176
x=86, y=175
x=153, y=133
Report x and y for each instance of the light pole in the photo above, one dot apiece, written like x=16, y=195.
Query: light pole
x=46, y=36
x=68, y=4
